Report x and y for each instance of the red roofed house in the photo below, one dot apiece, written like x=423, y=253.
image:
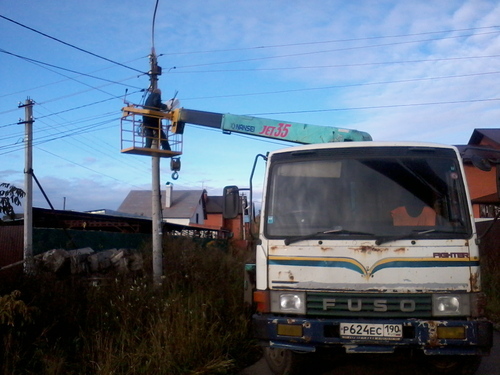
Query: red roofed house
x=482, y=169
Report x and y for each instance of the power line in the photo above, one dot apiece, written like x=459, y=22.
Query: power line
x=350, y=65
x=80, y=165
x=331, y=50
x=65, y=133
x=344, y=86
x=61, y=130
x=317, y=88
x=326, y=41
x=279, y=91
x=378, y=107
x=70, y=45
x=83, y=105
x=65, y=110
x=61, y=68
x=94, y=144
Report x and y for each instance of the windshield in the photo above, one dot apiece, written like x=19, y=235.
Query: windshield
x=367, y=193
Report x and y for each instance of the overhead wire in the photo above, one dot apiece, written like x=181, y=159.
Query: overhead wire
x=83, y=105
x=301, y=44
x=92, y=143
x=61, y=131
x=330, y=50
x=80, y=165
x=287, y=45
x=71, y=78
x=328, y=110
x=380, y=106
x=350, y=65
x=305, y=89
x=60, y=68
x=71, y=45
x=275, y=46
x=66, y=110
x=344, y=86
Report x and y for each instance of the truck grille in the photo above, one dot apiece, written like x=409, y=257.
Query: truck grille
x=369, y=305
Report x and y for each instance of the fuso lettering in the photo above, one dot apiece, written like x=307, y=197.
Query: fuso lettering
x=378, y=305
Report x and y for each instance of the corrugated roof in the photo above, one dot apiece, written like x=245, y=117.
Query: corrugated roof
x=184, y=203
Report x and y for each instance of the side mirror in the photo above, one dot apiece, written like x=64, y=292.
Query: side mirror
x=480, y=163
x=231, y=203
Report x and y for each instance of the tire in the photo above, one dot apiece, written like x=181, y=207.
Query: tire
x=284, y=362
x=446, y=365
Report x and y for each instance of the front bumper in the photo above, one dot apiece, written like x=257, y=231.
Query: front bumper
x=303, y=334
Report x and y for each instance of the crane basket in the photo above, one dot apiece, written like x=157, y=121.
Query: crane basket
x=138, y=139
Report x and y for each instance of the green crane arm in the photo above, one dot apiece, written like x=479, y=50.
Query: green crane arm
x=261, y=127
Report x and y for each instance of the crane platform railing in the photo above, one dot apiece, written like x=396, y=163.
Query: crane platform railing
x=138, y=139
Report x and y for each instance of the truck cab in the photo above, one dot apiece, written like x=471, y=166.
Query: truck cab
x=369, y=247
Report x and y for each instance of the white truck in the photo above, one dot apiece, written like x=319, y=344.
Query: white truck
x=363, y=247
x=369, y=247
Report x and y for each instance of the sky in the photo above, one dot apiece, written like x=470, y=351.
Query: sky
x=400, y=70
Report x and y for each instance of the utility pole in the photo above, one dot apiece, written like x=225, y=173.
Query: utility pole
x=157, y=219
x=28, y=183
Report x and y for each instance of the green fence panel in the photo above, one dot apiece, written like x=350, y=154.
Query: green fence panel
x=45, y=239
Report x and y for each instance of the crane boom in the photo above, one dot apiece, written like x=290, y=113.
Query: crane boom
x=267, y=128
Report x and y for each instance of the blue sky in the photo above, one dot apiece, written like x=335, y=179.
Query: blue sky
x=399, y=70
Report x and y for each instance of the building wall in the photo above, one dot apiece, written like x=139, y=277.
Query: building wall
x=480, y=184
x=185, y=222
x=214, y=221
x=235, y=226
x=199, y=216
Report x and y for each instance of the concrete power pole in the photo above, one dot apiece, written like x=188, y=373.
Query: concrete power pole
x=28, y=183
x=156, y=191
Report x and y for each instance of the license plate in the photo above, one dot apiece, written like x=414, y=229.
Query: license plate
x=371, y=331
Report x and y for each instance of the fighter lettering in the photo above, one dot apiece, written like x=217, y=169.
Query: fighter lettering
x=450, y=255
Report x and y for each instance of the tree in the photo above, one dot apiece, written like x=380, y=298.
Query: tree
x=10, y=196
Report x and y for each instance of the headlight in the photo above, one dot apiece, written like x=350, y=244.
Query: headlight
x=451, y=305
x=288, y=302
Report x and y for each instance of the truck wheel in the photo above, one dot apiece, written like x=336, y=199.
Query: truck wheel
x=284, y=362
x=456, y=365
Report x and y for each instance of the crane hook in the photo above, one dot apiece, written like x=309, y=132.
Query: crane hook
x=175, y=166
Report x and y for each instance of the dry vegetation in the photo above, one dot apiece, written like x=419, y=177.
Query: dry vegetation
x=195, y=323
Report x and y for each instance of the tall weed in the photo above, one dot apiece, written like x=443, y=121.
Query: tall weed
x=194, y=323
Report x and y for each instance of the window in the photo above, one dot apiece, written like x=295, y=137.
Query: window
x=367, y=192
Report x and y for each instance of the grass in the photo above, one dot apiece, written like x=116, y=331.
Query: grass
x=194, y=323
x=491, y=285
x=490, y=268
